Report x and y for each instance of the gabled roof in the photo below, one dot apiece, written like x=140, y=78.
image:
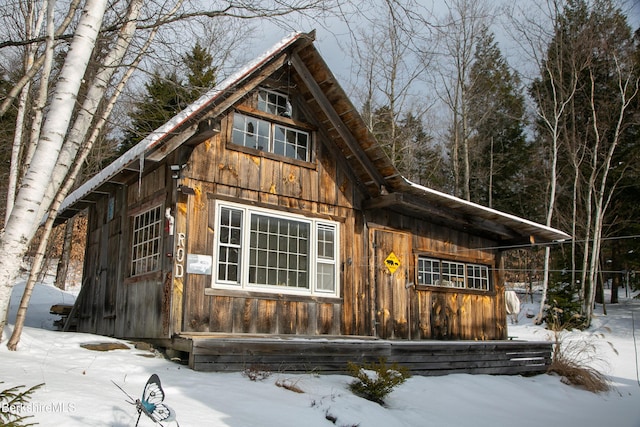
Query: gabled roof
x=326, y=101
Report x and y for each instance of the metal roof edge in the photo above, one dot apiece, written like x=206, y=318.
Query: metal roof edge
x=561, y=234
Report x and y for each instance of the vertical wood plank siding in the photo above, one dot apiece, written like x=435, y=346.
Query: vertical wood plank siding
x=372, y=300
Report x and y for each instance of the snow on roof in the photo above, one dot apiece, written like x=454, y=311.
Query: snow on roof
x=559, y=235
x=155, y=137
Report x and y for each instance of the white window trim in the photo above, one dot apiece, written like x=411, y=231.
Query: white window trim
x=272, y=132
x=447, y=284
x=243, y=282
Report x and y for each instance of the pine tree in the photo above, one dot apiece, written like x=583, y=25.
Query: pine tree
x=202, y=73
x=167, y=94
x=498, y=148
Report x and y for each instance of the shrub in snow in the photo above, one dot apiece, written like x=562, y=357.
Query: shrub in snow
x=13, y=403
x=375, y=381
x=563, y=311
x=256, y=373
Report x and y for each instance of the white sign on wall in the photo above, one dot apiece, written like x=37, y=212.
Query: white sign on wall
x=199, y=264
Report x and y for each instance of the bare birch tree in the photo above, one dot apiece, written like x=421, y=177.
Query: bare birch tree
x=552, y=93
x=60, y=142
x=587, y=82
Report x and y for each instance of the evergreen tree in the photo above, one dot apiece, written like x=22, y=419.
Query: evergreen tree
x=498, y=148
x=167, y=94
x=409, y=147
x=202, y=73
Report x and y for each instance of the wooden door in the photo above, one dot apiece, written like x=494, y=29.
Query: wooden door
x=391, y=259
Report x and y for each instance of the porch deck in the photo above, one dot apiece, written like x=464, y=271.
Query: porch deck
x=224, y=352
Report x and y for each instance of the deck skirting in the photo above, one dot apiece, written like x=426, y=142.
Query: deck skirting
x=429, y=358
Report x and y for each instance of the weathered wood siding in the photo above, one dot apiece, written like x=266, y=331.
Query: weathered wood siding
x=430, y=312
x=217, y=172
x=103, y=265
x=112, y=302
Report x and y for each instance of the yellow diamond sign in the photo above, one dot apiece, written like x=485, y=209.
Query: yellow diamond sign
x=392, y=262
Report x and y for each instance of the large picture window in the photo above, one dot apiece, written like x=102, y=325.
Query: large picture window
x=147, y=236
x=450, y=274
x=259, y=249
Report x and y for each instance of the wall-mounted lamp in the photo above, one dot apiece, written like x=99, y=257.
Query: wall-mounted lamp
x=175, y=170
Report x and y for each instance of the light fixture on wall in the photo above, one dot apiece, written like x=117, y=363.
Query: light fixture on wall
x=175, y=170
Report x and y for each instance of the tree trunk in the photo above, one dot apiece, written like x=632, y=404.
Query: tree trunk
x=32, y=200
x=615, y=272
x=65, y=256
x=36, y=267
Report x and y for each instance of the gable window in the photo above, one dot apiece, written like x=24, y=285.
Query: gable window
x=147, y=235
x=450, y=274
x=269, y=133
x=265, y=250
x=273, y=103
x=270, y=137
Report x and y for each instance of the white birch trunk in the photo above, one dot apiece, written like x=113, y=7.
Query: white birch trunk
x=96, y=92
x=628, y=86
x=30, y=52
x=31, y=200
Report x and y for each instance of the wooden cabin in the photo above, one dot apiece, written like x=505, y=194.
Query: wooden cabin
x=267, y=209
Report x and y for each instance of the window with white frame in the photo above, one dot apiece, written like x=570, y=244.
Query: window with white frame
x=436, y=272
x=146, y=241
x=273, y=102
x=270, y=137
x=259, y=249
x=265, y=134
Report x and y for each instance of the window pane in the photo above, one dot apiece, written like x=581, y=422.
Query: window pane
x=291, y=143
x=326, y=277
x=251, y=132
x=279, y=247
x=146, y=241
x=272, y=102
x=428, y=271
x=478, y=277
x=229, y=244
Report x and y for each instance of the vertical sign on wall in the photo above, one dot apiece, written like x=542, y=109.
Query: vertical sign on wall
x=180, y=255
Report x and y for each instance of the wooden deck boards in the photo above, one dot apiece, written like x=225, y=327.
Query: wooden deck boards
x=331, y=355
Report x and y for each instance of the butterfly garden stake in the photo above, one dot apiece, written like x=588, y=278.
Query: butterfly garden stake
x=151, y=402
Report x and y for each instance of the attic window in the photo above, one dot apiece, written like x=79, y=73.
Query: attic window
x=274, y=103
x=270, y=137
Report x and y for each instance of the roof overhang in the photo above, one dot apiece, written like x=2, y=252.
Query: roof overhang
x=444, y=209
x=385, y=186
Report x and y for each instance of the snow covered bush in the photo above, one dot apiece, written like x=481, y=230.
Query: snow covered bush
x=375, y=381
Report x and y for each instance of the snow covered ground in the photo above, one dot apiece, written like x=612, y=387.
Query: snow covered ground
x=78, y=388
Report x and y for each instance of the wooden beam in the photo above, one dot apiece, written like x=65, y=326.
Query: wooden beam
x=337, y=123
